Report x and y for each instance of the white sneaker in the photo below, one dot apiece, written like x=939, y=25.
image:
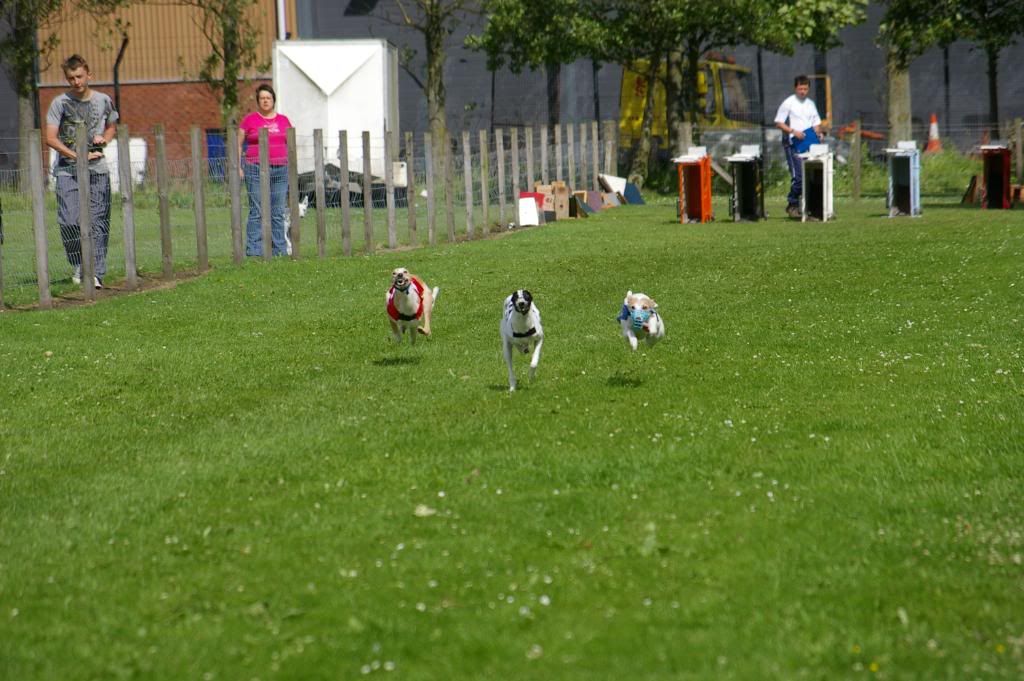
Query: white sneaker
x=76, y=275
x=98, y=283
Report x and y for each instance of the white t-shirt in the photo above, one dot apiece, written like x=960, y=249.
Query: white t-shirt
x=801, y=114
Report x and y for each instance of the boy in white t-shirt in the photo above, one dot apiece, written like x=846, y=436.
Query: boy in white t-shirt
x=797, y=118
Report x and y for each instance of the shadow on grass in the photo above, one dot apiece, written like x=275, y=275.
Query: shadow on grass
x=403, y=360
x=622, y=380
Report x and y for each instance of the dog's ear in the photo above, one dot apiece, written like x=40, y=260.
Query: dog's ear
x=629, y=294
x=654, y=304
x=527, y=296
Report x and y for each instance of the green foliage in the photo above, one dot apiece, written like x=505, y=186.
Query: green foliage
x=21, y=47
x=992, y=24
x=233, y=37
x=816, y=474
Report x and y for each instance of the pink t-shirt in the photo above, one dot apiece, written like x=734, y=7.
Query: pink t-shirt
x=277, y=143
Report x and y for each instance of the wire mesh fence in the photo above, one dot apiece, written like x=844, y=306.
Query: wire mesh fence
x=463, y=187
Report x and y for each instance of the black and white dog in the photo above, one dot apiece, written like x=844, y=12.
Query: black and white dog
x=521, y=329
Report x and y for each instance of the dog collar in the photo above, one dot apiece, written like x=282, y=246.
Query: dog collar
x=525, y=334
x=403, y=289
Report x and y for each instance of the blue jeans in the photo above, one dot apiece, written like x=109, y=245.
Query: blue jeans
x=796, y=172
x=278, y=209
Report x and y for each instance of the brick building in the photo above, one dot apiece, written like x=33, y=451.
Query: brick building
x=157, y=81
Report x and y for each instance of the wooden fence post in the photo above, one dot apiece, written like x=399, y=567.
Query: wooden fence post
x=389, y=188
x=265, y=204
x=1018, y=125
x=449, y=187
x=428, y=160
x=410, y=187
x=124, y=168
x=595, y=149
x=570, y=153
x=294, y=220
x=163, y=182
x=35, y=169
x=544, y=140
x=235, y=192
x=319, y=194
x=199, y=200
x=88, y=264
x=610, y=164
x=584, y=171
x=613, y=135
x=855, y=162
x=530, y=177
x=499, y=148
x=514, y=142
x=467, y=175
x=367, y=194
x=485, y=181
x=2, y=272
x=346, y=213
x=558, y=151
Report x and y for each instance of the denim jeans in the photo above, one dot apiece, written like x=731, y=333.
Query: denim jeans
x=278, y=209
x=68, y=206
x=796, y=172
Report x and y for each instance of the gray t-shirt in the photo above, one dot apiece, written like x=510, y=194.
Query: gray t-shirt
x=66, y=113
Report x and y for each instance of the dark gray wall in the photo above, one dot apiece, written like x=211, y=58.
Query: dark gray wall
x=8, y=117
x=857, y=69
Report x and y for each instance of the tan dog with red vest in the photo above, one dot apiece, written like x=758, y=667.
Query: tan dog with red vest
x=409, y=304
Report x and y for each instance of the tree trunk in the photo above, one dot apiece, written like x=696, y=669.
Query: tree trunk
x=638, y=173
x=691, y=69
x=992, y=55
x=899, y=101
x=232, y=70
x=674, y=104
x=434, y=36
x=554, y=75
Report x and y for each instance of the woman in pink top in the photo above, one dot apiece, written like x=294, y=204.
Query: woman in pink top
x=249, y=154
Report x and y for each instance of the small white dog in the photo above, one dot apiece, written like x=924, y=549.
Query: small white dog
x=640, y=319
x=409, y=304
x=303, y=209
x=521, y=329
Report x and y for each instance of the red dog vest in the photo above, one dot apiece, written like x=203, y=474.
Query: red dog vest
x=393, y=311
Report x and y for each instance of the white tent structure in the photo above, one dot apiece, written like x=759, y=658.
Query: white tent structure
x=339, y=85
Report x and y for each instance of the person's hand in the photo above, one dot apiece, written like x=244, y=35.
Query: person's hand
x=799, y=134
x=99, y=141
x=93, y=155
x=241, y=172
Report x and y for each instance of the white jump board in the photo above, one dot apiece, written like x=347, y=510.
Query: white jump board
x=692, y=155
x=747, y=153
x=817, y=151
x=905, y=147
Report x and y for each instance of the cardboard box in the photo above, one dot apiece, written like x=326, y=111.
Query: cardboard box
x=561, y=200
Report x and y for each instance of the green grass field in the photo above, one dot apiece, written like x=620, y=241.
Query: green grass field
x=817, y=475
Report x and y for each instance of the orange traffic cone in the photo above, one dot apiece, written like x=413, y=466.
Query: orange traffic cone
x=934, y=143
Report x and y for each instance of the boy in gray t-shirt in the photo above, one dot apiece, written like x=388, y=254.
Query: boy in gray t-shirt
x=81, y=105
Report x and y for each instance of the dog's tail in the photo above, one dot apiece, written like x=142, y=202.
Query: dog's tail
x=437, y=292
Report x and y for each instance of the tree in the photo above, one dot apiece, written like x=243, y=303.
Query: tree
x=537, y=35
x=435, y=20
x=21, y=51
x=233, y=35
x=650, y=32
x=992, y=24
